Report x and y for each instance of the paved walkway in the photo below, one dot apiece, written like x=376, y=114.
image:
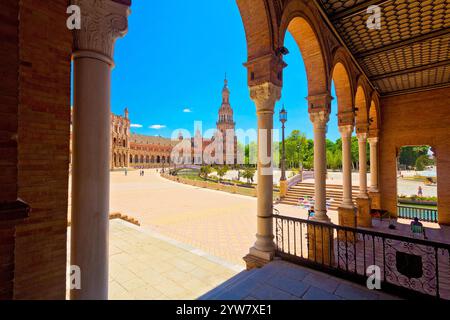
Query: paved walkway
x=147, y=266
x=282, y=280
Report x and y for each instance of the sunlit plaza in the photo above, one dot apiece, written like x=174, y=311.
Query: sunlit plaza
x=253, y=150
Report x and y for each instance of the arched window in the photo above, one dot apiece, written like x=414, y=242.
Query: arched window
x=142, y=159
x=131, y=159
x=158, y=159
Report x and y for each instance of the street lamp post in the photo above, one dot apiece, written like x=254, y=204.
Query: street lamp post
x=283, y=182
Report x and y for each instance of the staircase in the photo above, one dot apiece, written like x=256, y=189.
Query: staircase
x=303, y=189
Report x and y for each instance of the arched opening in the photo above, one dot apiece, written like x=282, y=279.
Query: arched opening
x=311, y=52
x=158, y=159
x=136, y=159
x=343, y=89
x=373, y=117
x=361, y=107
x=131, y=159
x=152, y=159
x=417, y=183
x=147, y=159
x=142, y=159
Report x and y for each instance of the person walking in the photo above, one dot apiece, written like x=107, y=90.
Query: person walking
x=420, y=191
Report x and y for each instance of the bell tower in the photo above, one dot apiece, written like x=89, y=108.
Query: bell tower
x=226, y=126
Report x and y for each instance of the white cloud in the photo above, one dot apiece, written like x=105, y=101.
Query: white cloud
x=187, y=110
x=136, y=125
x=157, y=126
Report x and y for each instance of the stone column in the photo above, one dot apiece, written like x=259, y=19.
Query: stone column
x=102, y=22
x=362, y=147
x=264, y=97
x=320, y=120
x=364, y=218
x=374, y=192
x=346, y=134
x=346, y=210
x=373, y=164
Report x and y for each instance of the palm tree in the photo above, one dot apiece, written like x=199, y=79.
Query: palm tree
x=248, y=174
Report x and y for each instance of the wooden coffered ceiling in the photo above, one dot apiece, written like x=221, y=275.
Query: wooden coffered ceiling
x=411, y=50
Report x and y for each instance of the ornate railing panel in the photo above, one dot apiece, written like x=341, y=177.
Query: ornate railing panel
x=409, y=267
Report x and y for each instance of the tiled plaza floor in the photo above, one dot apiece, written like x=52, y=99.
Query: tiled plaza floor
x=282, y=280
x=147, y=266
x=222, y=224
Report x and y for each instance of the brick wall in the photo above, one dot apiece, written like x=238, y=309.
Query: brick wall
x=9, y=65
x=43, y=149
x=416, y=119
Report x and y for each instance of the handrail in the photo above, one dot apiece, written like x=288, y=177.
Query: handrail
x=366, y=232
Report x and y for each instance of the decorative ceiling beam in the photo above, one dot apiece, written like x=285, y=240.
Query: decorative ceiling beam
x=332, y=28
x=355, y=10
x=415, y=90
x=403, y=43
x=410, y=70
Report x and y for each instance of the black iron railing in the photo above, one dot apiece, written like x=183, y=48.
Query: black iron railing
x=408, y=267
x=429, y=215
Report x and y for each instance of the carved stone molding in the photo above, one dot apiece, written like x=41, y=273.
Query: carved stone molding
x=346, y=118
x=265, y=96
x=321, y=102
x=102, y=23
x=362, y=136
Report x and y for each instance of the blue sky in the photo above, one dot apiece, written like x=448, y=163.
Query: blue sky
x=175, y=56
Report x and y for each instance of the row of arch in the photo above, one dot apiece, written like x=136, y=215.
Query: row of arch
x=266, y=23
x=136, y=159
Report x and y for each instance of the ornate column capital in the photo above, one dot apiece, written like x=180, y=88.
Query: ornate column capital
x=373, y=140
x=319, y=119
x=102, y=23
x=346, y=130
x=264, y=96
x=362, y=136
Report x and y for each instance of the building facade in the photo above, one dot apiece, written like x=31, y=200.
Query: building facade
x=130, y=150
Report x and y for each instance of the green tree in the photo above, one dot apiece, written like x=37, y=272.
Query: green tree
x=422, y=162
x=409, y=155
x=221, y=171
x=251, y=153
x=205, y=171
x=248, y=174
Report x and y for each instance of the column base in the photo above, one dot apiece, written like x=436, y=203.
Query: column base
x=321, y=244
x=375, y=197
x=321, y=218
x=364, y=218
x=283, y=188
x=347, y=218
x=257, y=258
